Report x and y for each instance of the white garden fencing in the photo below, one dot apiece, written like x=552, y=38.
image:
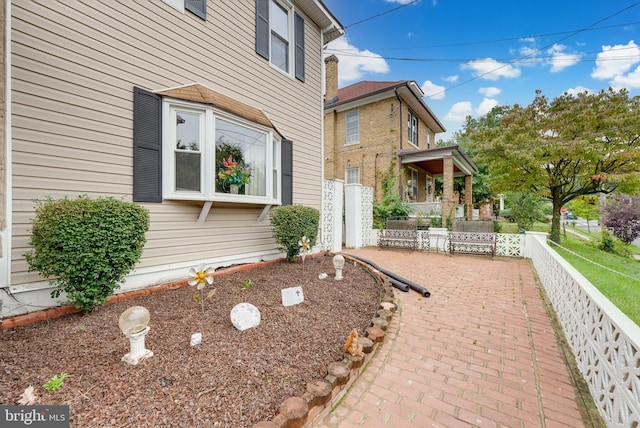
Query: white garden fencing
x=604, y=341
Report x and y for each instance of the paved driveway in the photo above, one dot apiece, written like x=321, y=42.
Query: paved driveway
x=481, y=351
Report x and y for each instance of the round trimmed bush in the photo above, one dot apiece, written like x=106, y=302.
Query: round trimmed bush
x=86, y=245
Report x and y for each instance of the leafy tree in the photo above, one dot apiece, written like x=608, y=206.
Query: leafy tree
x=622, y=217
x=575, y=145
x=586, y=207
x=526, y=208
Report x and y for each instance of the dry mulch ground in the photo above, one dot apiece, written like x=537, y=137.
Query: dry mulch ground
x=232, y=379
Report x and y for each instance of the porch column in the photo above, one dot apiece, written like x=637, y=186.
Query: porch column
x=448, y=204
x=468, y=196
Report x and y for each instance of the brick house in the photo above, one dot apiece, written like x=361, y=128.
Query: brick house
x=370, y=124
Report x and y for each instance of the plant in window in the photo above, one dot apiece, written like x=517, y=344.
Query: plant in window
x=234, y=173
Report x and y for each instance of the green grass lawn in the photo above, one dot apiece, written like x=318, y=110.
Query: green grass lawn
x=623, y=288
x=507, y=227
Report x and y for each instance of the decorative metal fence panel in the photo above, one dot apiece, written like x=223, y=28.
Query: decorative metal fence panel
x=604, y=341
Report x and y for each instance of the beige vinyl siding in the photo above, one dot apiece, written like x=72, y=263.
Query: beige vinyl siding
x=74, y=66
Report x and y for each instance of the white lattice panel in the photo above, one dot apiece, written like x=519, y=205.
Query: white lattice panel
x=605, y=342
x=509, y=244
x=328, y=205
x=367, y=214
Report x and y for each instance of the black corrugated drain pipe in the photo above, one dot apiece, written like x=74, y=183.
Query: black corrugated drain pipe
x=396, y=280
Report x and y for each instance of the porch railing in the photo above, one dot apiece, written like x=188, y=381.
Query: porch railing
x=434, y=209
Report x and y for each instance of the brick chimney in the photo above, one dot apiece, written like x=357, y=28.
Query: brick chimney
x=331, y=79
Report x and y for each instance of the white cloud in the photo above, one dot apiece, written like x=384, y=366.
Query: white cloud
x=485, y=106
x=629, y=81
x=578, y=90
x=559, y=59
x=433, y=91
x=614, y=61
x=528, y=51
x=451, y=79
x=354, y=63
x=491, y=91
x=491, y=69
x=459, y=111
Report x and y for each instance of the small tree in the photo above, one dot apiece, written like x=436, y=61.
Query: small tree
x=526, y=209
x=86, y=245
x=290, y=223
x=621, y=216
x=586, y=207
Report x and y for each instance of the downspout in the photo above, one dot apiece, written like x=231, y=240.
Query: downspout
x=375, y=175
x=401, y=134
x=5, y=229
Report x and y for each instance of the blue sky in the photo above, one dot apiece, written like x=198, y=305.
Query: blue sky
x=470, y=55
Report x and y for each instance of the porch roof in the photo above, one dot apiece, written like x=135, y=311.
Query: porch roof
x=431, y=160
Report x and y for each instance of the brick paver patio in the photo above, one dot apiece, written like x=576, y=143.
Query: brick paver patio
x=481, y=351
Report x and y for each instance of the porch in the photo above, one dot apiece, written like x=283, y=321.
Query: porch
x=445, y=162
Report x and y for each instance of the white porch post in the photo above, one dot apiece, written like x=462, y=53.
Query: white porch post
x=336, y=216
x=353, y=215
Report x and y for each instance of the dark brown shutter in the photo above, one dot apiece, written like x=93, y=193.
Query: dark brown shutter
x=262, y=28
x=197, y=7
x=147, y=146
x=299, y=54
x=287, y=171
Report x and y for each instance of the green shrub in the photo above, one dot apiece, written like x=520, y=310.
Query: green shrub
x=391, y=204
x=497, y=227
x=609, y=243
x=290, y=223
x=436, y=221
x=86, y=245
x=507, y=214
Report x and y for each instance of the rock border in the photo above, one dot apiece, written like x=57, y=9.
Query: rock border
x=323, y=395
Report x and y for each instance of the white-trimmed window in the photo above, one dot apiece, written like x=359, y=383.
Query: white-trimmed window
x=412, y=184
x=352, y=176
x=412, y=128
x=211, y=155
x=352, y=127
x=280, y=36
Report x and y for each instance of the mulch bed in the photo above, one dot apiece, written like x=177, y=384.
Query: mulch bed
x=232, y=379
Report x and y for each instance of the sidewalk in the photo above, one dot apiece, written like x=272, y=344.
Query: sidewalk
x=481, y=351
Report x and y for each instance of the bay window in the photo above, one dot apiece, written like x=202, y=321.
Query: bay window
x=211, y=155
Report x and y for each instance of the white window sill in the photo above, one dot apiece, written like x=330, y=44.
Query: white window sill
x=227, y=198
